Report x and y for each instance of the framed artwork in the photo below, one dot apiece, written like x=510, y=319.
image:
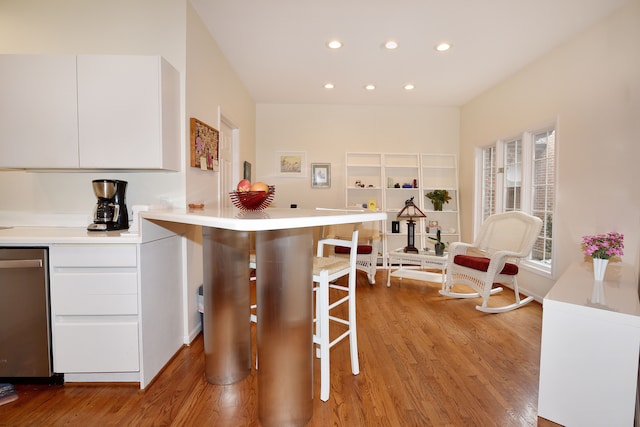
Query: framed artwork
x=321, y=175
x=204, y=146
x=247, y=170
x=291, y=164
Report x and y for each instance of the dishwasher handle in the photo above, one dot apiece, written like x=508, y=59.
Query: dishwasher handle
x=21, y=263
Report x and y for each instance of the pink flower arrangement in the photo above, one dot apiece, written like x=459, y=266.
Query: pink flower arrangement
x=603, y=246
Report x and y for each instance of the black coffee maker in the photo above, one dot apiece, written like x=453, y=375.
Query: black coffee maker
x=110, y=213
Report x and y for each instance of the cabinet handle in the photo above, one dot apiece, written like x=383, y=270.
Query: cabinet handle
x=21, y=263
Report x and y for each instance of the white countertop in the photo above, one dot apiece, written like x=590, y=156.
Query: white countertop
x=268, y=219
x=231, y=219
x=618, y=293
x=53, y=235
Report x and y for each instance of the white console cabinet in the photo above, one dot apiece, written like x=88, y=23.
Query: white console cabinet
x=590, y=348
x=89, y=112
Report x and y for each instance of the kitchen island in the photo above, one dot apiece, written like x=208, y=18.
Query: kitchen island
x=284, y=255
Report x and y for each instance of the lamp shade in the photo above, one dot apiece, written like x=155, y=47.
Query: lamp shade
x=410, y=211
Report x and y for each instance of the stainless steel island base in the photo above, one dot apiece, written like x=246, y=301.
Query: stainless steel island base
x=227, y=333
x=284, y=261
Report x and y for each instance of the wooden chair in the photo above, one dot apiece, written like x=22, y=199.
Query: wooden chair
x=326, y=270
x=504, y=239
x=368, y=246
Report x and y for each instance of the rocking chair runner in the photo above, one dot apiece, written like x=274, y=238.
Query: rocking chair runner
x=504, y=240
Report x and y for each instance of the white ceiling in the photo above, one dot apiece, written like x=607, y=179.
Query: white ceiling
x=277, y=47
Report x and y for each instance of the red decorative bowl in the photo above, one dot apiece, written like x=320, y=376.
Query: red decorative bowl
x=253, y=200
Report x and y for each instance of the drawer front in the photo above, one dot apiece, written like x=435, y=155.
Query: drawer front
x=93, y=256
x=86, y=346
x=95, y=293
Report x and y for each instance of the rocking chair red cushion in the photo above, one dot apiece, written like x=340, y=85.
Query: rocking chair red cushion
x=482, y=264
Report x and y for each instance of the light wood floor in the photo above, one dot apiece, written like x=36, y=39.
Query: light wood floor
x=425, y=360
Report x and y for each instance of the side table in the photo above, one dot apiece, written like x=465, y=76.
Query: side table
x=423, y=259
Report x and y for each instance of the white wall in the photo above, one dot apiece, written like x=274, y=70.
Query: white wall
x=211, y=86
x=327, y=132
x=591, y=85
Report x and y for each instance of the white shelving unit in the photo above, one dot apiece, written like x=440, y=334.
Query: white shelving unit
x=401, y=171
x=440, y=172
x=389, y=179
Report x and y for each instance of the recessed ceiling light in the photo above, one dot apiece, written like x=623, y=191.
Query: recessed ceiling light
x=443, y=47
x=329, y=86
x=409, y=86
x=334, y=44
x=391, y=45
x=370, y=87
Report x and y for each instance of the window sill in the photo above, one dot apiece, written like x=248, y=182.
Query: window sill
x=538, y=268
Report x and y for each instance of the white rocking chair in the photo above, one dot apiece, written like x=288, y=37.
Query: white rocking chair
x=504, y=240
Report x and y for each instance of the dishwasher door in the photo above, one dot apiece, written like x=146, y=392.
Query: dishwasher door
x=25, y=337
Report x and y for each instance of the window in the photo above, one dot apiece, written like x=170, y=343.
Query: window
x=489, y=173
x=519, y=174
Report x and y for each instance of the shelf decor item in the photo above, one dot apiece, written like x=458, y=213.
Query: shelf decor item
x=253, y=200
x=438, y=198
x=601, y=248
x=410, y=212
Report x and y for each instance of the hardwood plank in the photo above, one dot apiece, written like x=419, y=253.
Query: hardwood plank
x=425, y=360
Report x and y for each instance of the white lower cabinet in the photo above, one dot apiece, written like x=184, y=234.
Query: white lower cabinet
x=94, y=303
x=116, y=309
x=96, y=344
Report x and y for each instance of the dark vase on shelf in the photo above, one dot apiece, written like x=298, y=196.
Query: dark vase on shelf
x=437, y=205
x=438, y=246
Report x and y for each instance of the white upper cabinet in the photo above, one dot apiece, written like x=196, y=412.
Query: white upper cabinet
x=38, y=111
x=128, y=111
x=89, y=112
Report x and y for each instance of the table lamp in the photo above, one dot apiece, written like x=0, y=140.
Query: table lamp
x=409, y=212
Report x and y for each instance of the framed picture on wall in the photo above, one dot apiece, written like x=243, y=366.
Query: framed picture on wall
x=204, y=146
x=292, y=164
x=320, y=175
x=247, y=171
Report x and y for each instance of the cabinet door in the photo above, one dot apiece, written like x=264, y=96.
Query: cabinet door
x=120, y=112
x=38, y=111
x=94, y=293
x=96, y=344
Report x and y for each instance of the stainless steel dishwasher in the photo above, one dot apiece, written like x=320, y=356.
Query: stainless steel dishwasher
x=25, y=333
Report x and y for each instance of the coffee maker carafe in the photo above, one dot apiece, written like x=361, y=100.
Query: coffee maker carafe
x=110, y=213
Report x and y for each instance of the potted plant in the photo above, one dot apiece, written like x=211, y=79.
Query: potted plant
x=438, y=197
x=438, y=246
